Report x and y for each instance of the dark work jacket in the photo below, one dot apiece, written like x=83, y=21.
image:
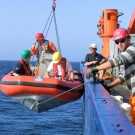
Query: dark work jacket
x=19, y=69
x=97, y=57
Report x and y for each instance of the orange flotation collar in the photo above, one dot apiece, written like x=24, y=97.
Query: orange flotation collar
x=26, y=69
x=63, y=68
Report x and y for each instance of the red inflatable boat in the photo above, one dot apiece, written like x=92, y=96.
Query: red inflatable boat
x=41, y=94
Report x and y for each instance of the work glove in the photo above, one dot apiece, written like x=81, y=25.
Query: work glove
x=97, y=63
x=90, y=73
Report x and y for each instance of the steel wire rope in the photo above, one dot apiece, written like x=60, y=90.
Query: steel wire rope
x=56, y=29
x=47, y=22
x=49, y=19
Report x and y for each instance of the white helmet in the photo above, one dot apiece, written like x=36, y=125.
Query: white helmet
x=93, y=45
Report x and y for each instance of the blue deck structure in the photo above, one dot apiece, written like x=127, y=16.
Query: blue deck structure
x=102, y=116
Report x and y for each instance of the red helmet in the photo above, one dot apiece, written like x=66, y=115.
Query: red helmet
x=120, y=33
x=39, y=36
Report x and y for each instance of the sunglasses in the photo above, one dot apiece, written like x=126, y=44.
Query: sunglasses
x=120, y=41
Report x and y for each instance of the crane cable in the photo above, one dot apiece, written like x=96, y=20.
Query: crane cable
x=47, y=23
x=50, y=19
x=58, y=42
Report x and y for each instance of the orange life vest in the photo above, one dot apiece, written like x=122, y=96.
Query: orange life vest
x=63, y=68
x=26, y=69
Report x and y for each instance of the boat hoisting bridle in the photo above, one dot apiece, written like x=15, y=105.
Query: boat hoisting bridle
x=50, y=18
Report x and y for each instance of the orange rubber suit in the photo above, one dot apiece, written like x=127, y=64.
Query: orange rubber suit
x=53, y=49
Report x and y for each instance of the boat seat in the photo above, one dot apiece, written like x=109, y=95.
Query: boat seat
x=44, y=62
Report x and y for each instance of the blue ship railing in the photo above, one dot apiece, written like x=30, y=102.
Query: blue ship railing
x=102, y=116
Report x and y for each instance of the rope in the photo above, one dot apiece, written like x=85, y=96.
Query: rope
x=53, y=10
x=47, y=23
x=37, y=104
x=53, y=7
x=58, y=42
x=48, y=27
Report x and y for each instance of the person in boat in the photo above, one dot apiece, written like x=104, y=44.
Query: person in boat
x=126, y=58
x=93, y=59
x=61, y=67
x=43, y=45
x=22, y=67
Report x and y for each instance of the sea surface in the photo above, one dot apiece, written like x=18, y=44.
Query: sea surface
x=16, y=119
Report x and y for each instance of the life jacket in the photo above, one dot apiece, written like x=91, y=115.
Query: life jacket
x=63, y=68
x=26, y=69
x=45, y=48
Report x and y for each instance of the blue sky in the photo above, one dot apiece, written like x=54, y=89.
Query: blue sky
x=76, y=21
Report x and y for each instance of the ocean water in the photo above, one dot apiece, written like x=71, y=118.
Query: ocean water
x=16, y=119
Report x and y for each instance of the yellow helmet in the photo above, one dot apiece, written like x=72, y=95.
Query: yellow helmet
x=56, y=57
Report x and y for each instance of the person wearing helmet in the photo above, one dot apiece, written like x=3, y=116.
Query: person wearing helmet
x=43, y=45
x=22, y=67
x=126, y=57
x=93, y=59
x=61, y=67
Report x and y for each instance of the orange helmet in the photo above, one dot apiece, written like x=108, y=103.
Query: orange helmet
x=39, y=36
x=120, y=33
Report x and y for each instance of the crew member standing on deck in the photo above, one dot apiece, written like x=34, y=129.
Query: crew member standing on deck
x=93, y=59
x=121, y=38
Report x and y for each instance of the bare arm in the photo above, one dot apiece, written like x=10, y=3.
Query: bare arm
x=105, y=65
x=116, y=82
x=47, y=74
x=90, y=63
x=71, y=75
x=34, y=49
x=52, y=46
x=103, y=60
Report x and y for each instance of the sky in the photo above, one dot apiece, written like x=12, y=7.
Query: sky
x=76, y=22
